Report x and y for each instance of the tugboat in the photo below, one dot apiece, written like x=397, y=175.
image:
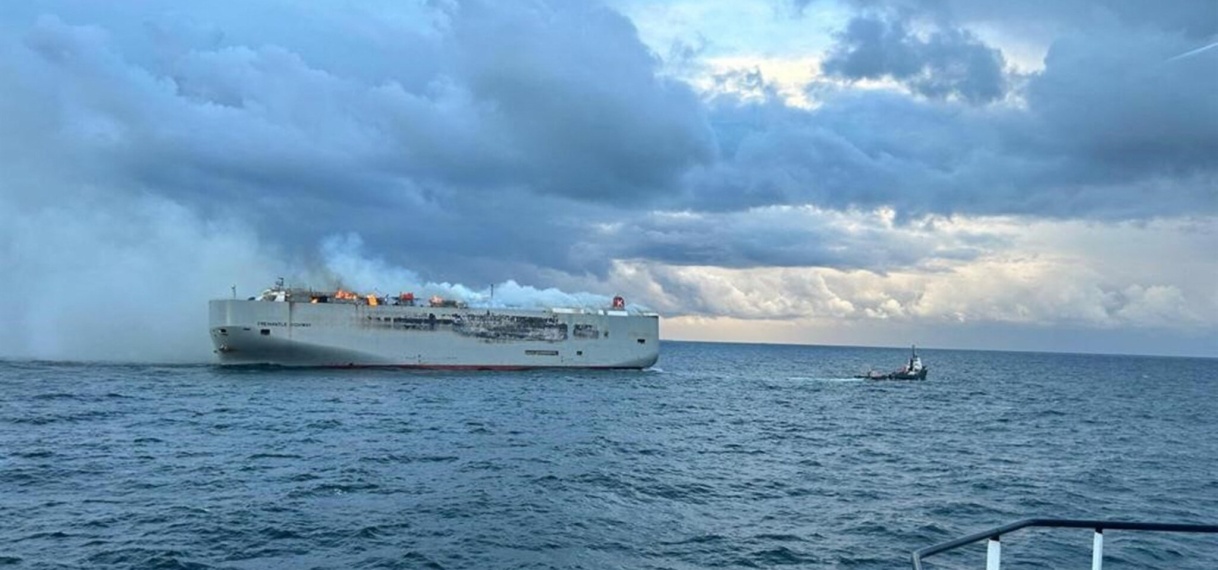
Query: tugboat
x=913, y=370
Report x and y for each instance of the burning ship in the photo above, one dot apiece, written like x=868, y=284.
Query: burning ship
x=300, y=327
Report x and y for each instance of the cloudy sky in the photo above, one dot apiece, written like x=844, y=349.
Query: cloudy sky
x=1038, y=175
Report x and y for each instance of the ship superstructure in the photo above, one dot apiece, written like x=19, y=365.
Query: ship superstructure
x=300, y=327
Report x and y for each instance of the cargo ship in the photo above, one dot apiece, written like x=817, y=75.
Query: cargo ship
x=301, y=327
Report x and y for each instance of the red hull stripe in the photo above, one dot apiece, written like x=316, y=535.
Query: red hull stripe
x=466, y=367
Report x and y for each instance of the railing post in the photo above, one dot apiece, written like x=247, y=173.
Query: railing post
x=992, y=554
x=993, y=535
x=1097, y=550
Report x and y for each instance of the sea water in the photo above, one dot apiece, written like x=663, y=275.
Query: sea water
x=723, y=456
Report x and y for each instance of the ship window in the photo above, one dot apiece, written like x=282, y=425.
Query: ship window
x=642, y=341
x=579, y=353
x=266, y=332
x=223, y=331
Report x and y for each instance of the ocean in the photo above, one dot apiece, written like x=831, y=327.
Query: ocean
x=723, y=456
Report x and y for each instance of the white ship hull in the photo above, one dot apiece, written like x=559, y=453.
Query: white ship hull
x=292, y=333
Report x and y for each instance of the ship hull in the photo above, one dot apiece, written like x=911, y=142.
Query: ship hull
x=288, y=333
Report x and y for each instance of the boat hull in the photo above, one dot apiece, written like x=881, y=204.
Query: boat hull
x=919, y=375
x=289, y=333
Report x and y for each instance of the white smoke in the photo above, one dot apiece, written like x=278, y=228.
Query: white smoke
x=348, y=266
x=118, y=281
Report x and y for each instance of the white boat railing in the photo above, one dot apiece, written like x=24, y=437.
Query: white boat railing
x=994, y=535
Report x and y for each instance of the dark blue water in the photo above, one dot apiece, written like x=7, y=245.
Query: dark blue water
x=726, y=456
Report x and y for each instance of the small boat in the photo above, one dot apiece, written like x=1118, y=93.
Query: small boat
x=914, y=370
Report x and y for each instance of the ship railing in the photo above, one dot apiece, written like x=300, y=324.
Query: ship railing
x=994, y=536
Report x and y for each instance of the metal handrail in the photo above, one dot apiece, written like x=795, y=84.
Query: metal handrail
x=995, y=533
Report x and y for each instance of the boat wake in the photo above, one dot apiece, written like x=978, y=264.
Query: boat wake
x=823, y=379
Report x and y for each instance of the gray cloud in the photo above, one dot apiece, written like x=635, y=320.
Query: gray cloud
x=495, y=135
x=491, y=121
x=786, y=237
x=856, y=150
x=1190, y=18
x=1112, y=128
x=1114, y=101
x=947, y=63
x=579, y=98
